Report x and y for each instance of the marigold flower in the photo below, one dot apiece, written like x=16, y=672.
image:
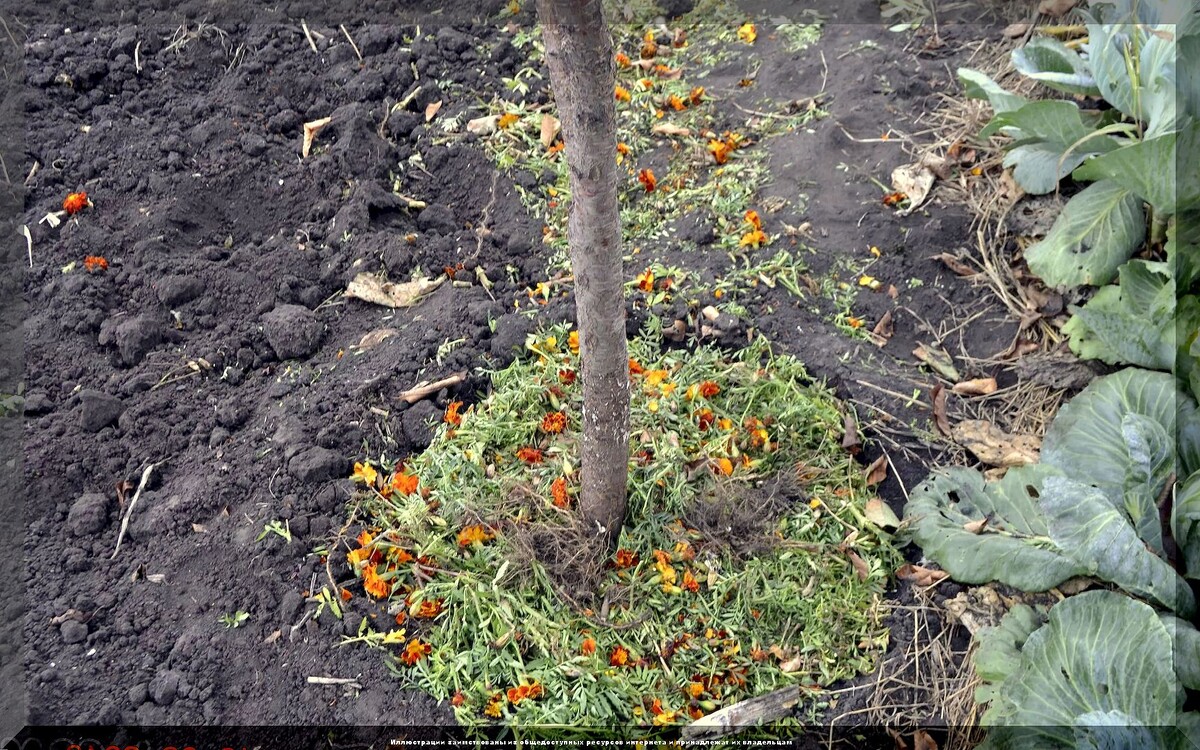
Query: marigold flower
x=621, y=94
x=622, y=60
x=400, y=556
x=374, y=584
x=695, y=689
x=646, y=83
x=364, y=473
x=696, y=95
x=854, y=322
x=708, y=389
x=892, y=199
x=530, y=455
x=675, y=103
x=492, y=710
x=346, y=595
x=404, y=483
x=619, y=657
x=365, y=538
x=747, y=33
x=429, y=609
x=756, y=238
x=506, y=119
x=472, y=534
x=720, y=151
x=452, y=417
x=558, y=490
x=554, y=422
x=647, y=178
x=635, y=367
x=75, y=202
x=566, y=377
x=415, y=651
x=573, y=341
x=752, y=218
x=401, y=618
x=95, y=263
x=626, y=558
x=522, y=692
x=690, y=583
x=458, y=699
x=589, y=646
x=356, y=556
x=645, y=280
x=649, y=47
x=725, y=466
x=555, y=147
x=655, y=377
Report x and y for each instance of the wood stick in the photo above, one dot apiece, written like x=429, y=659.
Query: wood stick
x=746, y=714
x=129, y=511
x=342, y=26
x=421, y=390
x=308, y=35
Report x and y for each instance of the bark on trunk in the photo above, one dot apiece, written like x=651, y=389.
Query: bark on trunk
x=579, y=54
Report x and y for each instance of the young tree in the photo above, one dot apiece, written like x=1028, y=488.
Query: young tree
x=579, y=54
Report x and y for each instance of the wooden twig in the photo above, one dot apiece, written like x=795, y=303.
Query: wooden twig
x=314, y=680
x=129, y=511
x=421, y=390
x=746, y=714
x=308, y=35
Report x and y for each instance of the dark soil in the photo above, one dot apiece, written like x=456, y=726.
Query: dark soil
x=216, y=345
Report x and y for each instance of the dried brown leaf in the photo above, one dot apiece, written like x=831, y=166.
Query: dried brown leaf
x=484, y=125
x=922, y=741
x=375, y=338
x=310, y=133
x=1056, y=8
x=879, y=513
x=1014, y=30
x=975, y=527
x=956, y=264
x=915, y=181
x=860, y=565
x=976, y=387
x=371, y=288
x=995, y=447
x=920, y=576
x=851, y=442
x=939, y=410
x=550, y=128
x=432, y=109
x=877, y=471
x=666, y=128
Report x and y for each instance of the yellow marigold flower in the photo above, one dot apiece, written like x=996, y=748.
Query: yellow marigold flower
x=506, y=119
x=621, y=94
x=747, y=33
x=365, y=473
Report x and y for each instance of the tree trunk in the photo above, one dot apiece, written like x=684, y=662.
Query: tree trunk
x=579, y=54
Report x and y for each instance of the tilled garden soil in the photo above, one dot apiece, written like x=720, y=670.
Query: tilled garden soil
x=218, y=347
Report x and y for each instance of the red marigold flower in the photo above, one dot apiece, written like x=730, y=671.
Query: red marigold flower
x=635, y=367
x=647, y=178
x=458, y=699
x=554, y=422
x=626, y=558
x=415, y=651
x=689, y=582
x=530, y=455
x=452, y=417
x=566, y=377
x=75, y=202
x=619, y=657
x=708, y=389
x=705, y=418
x=429, y=609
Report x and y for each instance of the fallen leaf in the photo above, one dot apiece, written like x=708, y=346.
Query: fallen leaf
x=70, y=614
x=375, y=338
x=922, y=741
x=976, y=387
x=274, y=636
x=310, y=133
x=879, y=513
x=975, y=527
x=939, y=410
x=877, y=471
x=920, y=576
x=484, y=125
x=892, y=291
x=915, y=181
x=883, y=330
x=550, y=128
x=850, y=439
x=1014, y=30
x=432, y=109
x=1055, y=8
x=1073, y=586
x=938, y=359
x=995, y=447
x=956, y=264
x=897, y=738
x=795, y=664
x=860, y=565
x=199, y=528
x=371, y=288
x=666, y=128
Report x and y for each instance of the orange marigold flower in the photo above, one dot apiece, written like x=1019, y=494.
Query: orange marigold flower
x=753, y=219
x=649, y=46
x=695, y=689
x=400, y=556
x=645, y=280
x=626, y=558
x=95, y=263
x=573, y=341
x=530, y=455
x=566, y=377
x=689, y=582
x=554, y=422
x=346, y=595
x=619, y=657
x=647, y=178
x=622, y=60
x=458, y=699
x=506, y=119
x=708, y=389
x=75, y=202
x=696, y=95
x=720, y=151
x=401, y=617
x=365, y=538
x=428, y=609
x=415, y=651
x=675, y=103
x=756, y=238
x=635, y=367
x=472, y=534
x=452, y=417
x=621, y=94
x=374, y=584
x=854, y=322
x=558, y=490
x=555, y=147
x=589, y=646
x=656, y=377
x=356, y=556
x=725, y=466
x=404, y=483
x=622, y=149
